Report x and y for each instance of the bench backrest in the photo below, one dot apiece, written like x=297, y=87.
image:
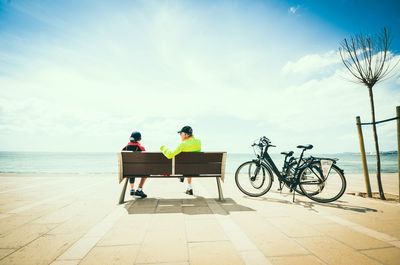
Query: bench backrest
x=186, y=164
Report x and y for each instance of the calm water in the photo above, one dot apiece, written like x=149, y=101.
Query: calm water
x=83, y=163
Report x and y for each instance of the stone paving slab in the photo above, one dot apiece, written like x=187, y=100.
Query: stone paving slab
x=111, y=255
x=218, y=253
x=22, y=236
x=389, y=256
x=334, y=252
x=6, y=251
x=298, y=260
x=350, y=237
x=87, y=226
x=43, y=250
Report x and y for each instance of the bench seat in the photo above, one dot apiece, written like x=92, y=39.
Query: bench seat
x=156, y=165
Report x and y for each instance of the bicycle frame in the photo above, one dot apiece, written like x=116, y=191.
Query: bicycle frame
x=266, y=159
x=296, y=172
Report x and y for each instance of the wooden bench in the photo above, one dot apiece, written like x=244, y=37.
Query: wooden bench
x=156, y=165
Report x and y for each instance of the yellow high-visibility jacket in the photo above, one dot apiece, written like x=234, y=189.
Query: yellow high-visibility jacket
x=190, y=145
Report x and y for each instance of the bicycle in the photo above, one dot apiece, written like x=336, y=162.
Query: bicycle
x=319, y=179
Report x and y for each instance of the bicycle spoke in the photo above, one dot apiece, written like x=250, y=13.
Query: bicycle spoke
x=320, y=188
x=253, y=179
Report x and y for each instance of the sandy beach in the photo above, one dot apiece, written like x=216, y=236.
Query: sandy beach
x=390, y=182
x=75, y=219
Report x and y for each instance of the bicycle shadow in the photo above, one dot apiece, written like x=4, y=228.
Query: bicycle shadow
x=340, y=205
x=311, y=205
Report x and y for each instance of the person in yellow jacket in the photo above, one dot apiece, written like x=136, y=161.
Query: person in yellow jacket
x=189, y=144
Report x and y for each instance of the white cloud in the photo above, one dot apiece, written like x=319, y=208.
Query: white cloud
x=83, y=111
x=293, y=9
x=313, y=64
x=158, y=69
x=333, y=102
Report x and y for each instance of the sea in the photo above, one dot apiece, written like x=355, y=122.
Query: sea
x=107, y=162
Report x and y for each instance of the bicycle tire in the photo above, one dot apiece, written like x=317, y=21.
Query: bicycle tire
x=263, y=180
x=267, y=176
x=321, y=181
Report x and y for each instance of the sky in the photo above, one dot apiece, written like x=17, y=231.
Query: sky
x=82, y=75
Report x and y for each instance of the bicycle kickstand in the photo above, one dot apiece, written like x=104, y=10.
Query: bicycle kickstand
x=280, y=186
x=294, y=193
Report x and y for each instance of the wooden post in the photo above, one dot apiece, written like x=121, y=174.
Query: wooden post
x=363, y=157
x=398, y=144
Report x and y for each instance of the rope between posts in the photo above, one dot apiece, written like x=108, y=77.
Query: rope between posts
x=377, y=122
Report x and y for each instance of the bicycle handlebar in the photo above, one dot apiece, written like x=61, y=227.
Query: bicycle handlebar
x=264, y=141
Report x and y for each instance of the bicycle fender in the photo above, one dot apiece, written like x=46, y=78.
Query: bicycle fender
x=270, y=170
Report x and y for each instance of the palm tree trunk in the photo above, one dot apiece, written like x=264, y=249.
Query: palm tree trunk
x=378, y=155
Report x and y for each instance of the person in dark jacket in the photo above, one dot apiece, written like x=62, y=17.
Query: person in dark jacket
x=135, y=146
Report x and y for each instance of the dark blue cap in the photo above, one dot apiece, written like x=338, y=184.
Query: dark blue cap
x=187, y=129
x=135, y=136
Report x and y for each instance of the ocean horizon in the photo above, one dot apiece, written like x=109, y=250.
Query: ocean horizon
x=107, y=162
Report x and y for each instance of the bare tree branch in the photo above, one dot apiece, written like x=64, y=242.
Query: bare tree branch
x=368, y=58
x=369, y=61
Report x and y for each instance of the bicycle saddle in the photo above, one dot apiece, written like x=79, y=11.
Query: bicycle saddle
x=309, y=146
x=287, y=153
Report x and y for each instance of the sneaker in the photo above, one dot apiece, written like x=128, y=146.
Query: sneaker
x=189, y=192
x=132, y=192
x=181, y=179
x=140, y=193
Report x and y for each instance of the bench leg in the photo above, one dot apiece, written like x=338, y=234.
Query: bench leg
x=220, y=194
x=122, y=196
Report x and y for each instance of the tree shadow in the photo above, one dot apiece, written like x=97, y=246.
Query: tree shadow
x=190, y=206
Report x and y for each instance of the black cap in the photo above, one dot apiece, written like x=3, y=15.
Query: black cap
x=135, y=136
x=187, y=129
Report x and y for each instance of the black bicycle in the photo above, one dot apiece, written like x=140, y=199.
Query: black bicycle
x=319, y=179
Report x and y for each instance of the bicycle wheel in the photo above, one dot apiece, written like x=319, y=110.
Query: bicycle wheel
x=320, y=188
x=253, y=179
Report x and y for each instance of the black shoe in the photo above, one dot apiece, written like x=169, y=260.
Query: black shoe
x=189, y=192
x=132, y=192
x=181, y=179
x=140, y=193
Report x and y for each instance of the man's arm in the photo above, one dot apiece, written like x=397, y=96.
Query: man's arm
x=171, y=153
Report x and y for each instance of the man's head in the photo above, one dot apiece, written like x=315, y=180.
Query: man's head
x=186, y=132
x=135, y=137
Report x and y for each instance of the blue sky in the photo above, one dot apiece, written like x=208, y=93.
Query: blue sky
x=78, y=76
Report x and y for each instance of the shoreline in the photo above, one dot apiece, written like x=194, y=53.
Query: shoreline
x=115, y=173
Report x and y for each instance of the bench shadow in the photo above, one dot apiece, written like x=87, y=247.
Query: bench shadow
x=190, y=206
x=339, y=204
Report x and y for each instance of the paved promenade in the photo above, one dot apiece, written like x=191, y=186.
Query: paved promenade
x=74, y=219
